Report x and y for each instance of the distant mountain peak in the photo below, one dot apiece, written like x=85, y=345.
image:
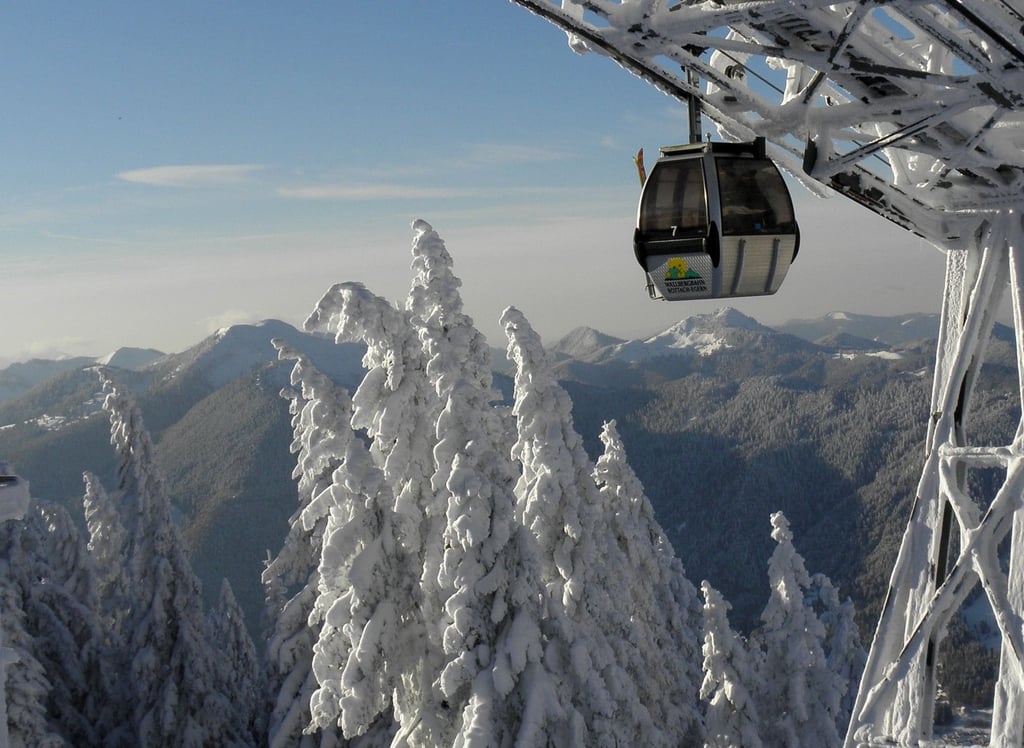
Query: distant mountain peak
x=722, y=318
x=260, y=328
x=582, y=341
x=235, y=350
x=699, y=334
x=732, y=315
x=133, y=359
x=705, y=333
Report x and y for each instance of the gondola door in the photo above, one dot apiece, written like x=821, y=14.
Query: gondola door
x=671, y=241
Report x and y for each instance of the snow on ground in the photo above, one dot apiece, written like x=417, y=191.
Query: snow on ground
x=969, y=728
x=888, y=355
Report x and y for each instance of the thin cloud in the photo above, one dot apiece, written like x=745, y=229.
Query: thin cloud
x=357, y=192
x=397, y=177
x=28, y=217
x=489, y=154
x=227, y=318
x=192, y=175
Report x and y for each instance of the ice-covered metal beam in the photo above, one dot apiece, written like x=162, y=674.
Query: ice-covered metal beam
x=912, y=108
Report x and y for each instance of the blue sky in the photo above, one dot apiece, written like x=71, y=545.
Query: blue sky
x=171, y=168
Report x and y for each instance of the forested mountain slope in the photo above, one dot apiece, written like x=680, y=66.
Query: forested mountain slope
x=833, y=436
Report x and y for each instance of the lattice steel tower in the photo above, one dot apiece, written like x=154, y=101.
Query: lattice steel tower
x=915, y=110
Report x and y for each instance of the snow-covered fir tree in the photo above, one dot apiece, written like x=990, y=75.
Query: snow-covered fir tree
x=585, y=571
x=320, y=412
x=381, y=512
x=394, y=403
x=731, y=717
x=493, y=678
x=170, y=673
x=502, y=535
x=27, y=688
x=69, y=658
x=55, y=571
x=107, y=546
x=363, y=600
x=843, y=649
x=235, y=709
x=798, y=693
x=662, y=607
x=456, y=357
x=63, y=650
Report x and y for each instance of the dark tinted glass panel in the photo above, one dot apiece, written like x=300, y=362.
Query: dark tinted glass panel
x=754, y=197
x=674, y=202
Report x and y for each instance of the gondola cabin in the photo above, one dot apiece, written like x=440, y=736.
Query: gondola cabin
x=715, y=221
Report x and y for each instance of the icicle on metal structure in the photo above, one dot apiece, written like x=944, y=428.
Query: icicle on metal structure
x=916, y=111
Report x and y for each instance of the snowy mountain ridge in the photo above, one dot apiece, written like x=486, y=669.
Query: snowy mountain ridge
x=582, y=342
x=133, y=359
x=728, y=328
x=699, y=335
x=891, y=330
x=707, y=333
x=18, y=378
x=233, y=351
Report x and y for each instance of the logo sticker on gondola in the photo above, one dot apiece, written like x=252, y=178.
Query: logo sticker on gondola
x=681, y=278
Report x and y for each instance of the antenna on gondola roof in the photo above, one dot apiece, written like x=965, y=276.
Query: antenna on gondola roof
x=693, y=104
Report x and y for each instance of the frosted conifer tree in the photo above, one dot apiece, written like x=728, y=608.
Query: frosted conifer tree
x=27, y=687
x=395, y=403
x=52, y=565
x=170, y=669
x=320, y=412
x=363, y=646
x=585, y=572
x=454, y=349
x=234, y=709
x=799, y=695
x=731, y=717
x=398, y=408
x=843, y=650
x=550, y=492
x=658, y=641
x=106, y=546
x=456, y=356
x=488, y=590
x=551, y=503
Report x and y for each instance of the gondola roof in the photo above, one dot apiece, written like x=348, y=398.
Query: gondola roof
x=755, y=148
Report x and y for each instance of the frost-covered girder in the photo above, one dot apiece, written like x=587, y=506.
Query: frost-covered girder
x=914, y=109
